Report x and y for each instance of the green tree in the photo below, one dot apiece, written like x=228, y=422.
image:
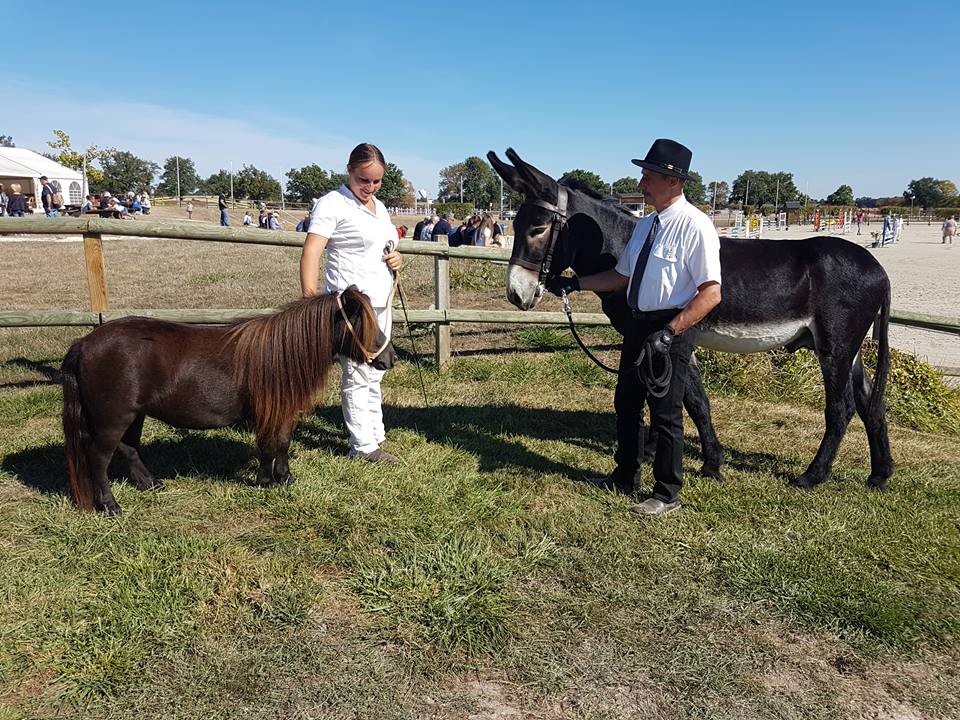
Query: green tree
x=216, y=184
x=926, y=192
x=123, y=171
x=694, y=190
x=255, y=184
x=843, y=195
x=189, y=180
x=6, y=141
x=866, y=202
x=311, y=182
x=393, y=191
x=481, y=185
x=758, y=187
x=948, y=188
x=587, y=178
x=721, y=189
x=64, y=154
x=626, y=185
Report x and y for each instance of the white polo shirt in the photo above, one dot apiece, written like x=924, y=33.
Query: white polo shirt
x=356, y=240
x=685, y=254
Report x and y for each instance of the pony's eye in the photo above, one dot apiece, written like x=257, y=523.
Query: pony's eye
x=538, y=229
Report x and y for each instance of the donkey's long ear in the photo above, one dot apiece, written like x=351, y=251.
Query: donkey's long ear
x=538, y=182
x=508, y=172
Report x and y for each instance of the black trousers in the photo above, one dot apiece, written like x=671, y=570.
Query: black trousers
x=666, y=413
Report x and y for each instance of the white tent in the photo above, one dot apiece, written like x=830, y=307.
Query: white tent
x=24, y=167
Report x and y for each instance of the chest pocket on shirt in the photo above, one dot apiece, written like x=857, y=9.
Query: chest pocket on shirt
x=667, y=249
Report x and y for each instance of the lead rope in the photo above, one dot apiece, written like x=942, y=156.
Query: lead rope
x=657, y=385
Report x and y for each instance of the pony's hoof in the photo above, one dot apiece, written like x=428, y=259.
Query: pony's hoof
x=875, y=482
x=287, y=479
x=804, y=482
x=712, y=472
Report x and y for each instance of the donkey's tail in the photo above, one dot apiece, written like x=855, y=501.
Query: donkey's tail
x=882, y=325
x=76, y=434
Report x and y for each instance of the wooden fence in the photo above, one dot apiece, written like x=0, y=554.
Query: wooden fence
x=441, y=316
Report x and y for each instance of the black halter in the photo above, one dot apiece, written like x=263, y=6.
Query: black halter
x=557, y=225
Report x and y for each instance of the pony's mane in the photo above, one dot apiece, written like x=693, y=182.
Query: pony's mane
x=282, y=360
x=580, y=186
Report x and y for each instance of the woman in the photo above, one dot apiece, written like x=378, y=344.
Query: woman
x=354, y=227
x=16, y=202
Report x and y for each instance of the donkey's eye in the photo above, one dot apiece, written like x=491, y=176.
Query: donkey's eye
x=538, y=229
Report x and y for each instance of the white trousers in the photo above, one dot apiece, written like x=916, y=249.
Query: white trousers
x=361, y=398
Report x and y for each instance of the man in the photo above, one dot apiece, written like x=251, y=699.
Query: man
x=3, y=201
x=50, y=204
x=949, y=230
x=671, y=272
x=443, y=227
x=222, y=204
x=427, y=232
x=418, y=228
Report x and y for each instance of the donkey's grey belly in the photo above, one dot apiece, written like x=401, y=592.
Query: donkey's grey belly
x=755, y=337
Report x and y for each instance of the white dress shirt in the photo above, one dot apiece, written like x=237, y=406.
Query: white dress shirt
x=685, y=254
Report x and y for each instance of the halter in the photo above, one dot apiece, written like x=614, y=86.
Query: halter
x=557, y=224
x=368, y=356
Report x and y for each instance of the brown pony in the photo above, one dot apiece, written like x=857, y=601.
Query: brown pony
x=265, y=370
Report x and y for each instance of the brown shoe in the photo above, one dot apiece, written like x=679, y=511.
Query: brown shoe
x=378, y=456
x=653, y=506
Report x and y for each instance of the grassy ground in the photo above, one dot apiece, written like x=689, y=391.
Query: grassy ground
x=478, y=579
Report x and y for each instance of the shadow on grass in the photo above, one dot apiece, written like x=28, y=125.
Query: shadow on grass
x=50, y=373
x=44, y=468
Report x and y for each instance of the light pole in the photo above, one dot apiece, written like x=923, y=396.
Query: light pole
x=461, y=188
x=179, y=202
x=231, y=182
x=501, y=198
x=714, y=198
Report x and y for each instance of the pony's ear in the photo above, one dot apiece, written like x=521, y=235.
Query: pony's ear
x=539, y=184
x=508, y=172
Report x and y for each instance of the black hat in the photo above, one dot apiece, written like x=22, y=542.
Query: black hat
x=668, y=157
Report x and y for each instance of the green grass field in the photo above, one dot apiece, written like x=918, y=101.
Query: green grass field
x=479, y=578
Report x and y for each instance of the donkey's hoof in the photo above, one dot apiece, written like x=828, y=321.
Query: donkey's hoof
x=875, y=482
x=110, y=507
x=712, y=472
x=287, y=479
x=804, y=482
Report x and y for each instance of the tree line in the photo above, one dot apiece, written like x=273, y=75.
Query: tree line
x=472, y=180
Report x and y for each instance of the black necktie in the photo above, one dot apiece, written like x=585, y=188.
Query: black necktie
x=641, y=265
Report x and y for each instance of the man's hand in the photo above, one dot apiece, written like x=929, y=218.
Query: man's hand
x=559, y=283
x=661, y=340
x=393, y=259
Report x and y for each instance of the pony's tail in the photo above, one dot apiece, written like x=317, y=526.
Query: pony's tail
x=76, y=436
x=877, y=407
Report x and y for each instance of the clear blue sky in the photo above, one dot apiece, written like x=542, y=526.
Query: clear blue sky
x=857, y=93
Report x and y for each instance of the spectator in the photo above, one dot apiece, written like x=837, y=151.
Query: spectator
x=3, y=201
x=222, y=204
x=304, y=224
x=949, y=230
x=135, y=205
x=427, y=232
x=247, y=220
x=443, y=226
x=273, y=220
x=145, y=203
x=17, y=202
x=418, y=228
x=105, y=200
x=87, y=205
x=50, y=198
x=189, y=209
x=262, y=219
x=402, y=232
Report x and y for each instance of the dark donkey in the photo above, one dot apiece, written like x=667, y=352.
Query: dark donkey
x=265, y=370
x=821, y=293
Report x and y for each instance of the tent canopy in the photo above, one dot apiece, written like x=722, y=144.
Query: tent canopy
x=19, y=162
x=24, y=167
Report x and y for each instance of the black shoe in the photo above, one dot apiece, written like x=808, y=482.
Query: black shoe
x=610, y=482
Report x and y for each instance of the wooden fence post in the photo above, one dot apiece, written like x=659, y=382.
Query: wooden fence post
x=96, y=279
x=441, y=283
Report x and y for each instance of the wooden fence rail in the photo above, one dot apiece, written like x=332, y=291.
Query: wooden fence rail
x=93, y=229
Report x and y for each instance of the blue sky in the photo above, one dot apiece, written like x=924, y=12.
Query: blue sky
x=857, y=93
